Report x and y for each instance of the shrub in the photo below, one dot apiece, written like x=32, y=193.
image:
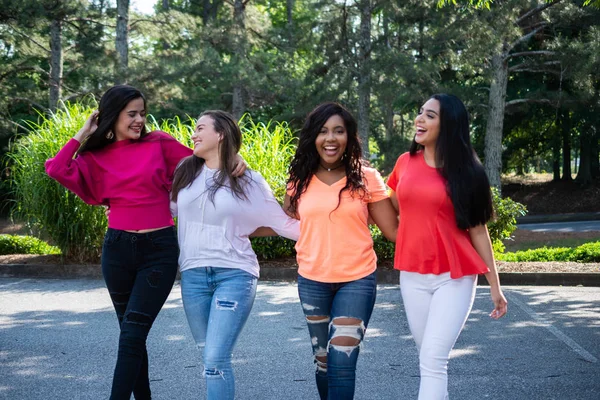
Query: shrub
x=383, y=247
x=45, y=206
x=589, y=252
x=14, y=244
x=505, y=221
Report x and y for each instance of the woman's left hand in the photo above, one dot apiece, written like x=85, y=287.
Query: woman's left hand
x=500, y=303
x=239, y=166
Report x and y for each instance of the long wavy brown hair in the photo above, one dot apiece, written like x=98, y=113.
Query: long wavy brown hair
x=231, y=141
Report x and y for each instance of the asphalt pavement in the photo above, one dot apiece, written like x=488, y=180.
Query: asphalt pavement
x=571, y=226
x=58, y=340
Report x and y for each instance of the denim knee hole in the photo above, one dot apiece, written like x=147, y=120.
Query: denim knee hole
x=347, y=338
x=309, y=307
x=321, y=364
x=226, y=305
x=153, y=278
x=119, y=298
x=137, y=318
x=212, y=373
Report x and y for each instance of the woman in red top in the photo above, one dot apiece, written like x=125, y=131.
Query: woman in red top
x=443, y=197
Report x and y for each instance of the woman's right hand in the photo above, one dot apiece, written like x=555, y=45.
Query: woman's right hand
x=90, y=126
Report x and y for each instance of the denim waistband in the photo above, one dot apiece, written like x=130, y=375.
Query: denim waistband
x=117, y=233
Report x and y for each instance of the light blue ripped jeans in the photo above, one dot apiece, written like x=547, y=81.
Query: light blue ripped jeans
x=217, y=302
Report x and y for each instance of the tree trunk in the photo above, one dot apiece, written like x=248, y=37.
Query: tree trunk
x=584, y=174
x=290, y=13
x=556, y=157
x=121, y=43
x=206, y=11
x=165, y=8
x=495, y=120
x=238, y=108
x=364, y=77
x=595, y=156
x=388, y=113
x=566, y=143
x=56, y=64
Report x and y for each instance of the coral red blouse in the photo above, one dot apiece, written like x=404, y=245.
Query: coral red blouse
x=428, y=241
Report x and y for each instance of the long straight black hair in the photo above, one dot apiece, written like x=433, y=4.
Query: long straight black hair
x=231, y=142
x=466, y=181
x=113, y=101
x=306, y=160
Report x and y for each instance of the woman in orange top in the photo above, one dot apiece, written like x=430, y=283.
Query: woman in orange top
x=332, y=192
x=443, y=197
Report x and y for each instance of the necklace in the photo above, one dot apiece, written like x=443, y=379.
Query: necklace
x=331, y=169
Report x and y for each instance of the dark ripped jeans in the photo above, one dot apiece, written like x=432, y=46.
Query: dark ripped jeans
x=139, y=270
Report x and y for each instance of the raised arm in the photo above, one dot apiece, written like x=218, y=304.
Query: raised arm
x=76, y=174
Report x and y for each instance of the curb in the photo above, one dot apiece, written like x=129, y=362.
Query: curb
x=573, y=217
x=289, y=274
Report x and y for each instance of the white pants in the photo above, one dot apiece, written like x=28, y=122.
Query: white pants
x=437, y=308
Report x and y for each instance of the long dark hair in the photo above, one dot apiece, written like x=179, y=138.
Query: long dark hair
x=466, y=181
x=113, y=101
x=306, y=160
x=191, y=166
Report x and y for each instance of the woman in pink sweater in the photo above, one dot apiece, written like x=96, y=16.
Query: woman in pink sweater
x=119, y=164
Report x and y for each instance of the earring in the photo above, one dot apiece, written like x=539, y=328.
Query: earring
x=110, y=135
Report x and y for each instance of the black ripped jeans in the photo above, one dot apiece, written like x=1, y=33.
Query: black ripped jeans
x=139, y=270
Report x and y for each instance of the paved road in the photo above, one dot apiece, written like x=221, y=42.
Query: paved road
x=58, y=341
x=579, y=226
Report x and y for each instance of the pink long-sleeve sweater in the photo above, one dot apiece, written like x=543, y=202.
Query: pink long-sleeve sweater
x=133, y=177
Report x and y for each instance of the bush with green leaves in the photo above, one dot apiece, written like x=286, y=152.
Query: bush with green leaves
x=48, y=209
x=16, y=244
x=505, y=221
x=589, y=252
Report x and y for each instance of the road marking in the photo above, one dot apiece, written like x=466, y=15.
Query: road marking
x=587, y=356
x=14, y=283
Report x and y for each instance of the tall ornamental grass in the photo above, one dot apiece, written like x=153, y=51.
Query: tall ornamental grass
x=269, y=148
x=53, y=213
x=49, y=210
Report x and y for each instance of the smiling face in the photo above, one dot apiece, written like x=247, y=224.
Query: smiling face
x=131, y=120
x=427, y=123
x=331, y=141
x=206, y=139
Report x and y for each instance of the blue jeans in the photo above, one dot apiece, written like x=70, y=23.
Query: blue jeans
x=337, y=315
x=139, y=270
x=217, y=302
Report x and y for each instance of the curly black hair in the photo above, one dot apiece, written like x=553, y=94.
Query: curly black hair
x=306, y=160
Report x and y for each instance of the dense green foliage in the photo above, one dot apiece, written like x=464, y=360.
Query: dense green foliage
x=505, y=219
x=15, y=244
x=589, y=252
x=47, y=208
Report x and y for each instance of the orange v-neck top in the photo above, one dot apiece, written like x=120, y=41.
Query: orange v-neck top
x=428, y=241
x=336, y=246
